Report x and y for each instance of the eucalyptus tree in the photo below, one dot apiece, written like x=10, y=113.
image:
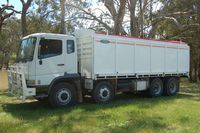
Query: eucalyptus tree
x=6, y=11
x=59, y=12
x=25, y=6
x=10, y=37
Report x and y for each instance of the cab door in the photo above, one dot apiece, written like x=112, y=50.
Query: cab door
x=50, y=61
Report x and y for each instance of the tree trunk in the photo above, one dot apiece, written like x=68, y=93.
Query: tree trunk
x=198, y=73
x=25, y=6
x=117, y=16
x=141, y=20
x=23, y=22
x=195, y=72
x=62, y=24
x=4, y=15
x=1, y=24
x=133, y=19
x=1, y=60
x=191, y=70
x=120, y=17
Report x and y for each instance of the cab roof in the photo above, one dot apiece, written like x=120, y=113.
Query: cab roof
x=54, y=35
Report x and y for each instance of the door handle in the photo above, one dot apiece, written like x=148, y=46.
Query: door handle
x=60, y=64
x=40, y=62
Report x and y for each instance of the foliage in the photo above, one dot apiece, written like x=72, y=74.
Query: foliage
x=51, y=11
x=9, y=40
x=4, y=14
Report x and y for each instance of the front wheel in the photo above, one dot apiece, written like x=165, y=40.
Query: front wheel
x=103, y=92
x=62, y=95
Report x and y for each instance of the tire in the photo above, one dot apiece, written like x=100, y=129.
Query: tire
x=62, y=95
x=171, y=86
x=103, y=92
x=156, y=88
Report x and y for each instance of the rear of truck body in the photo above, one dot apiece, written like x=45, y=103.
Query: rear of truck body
x=103, y=65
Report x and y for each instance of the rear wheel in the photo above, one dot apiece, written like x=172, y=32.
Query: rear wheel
x=103, y=92
x=62, y=95
x=171, y=86
x=156, y=87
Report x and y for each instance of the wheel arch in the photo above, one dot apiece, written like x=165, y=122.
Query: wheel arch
x=69, y=78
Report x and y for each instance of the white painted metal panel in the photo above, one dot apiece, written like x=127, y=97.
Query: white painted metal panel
x=142, y=59
x=85, y=55
x=124, y=58
x=157, y=59
x=104, y=58
x=183, y=60
x=171, y=60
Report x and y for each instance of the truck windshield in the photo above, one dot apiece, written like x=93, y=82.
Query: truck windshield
x=26, y=49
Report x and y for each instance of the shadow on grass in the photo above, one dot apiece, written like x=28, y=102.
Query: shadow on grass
x=36, y=110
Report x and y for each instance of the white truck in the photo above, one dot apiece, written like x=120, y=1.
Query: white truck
x=64, y=68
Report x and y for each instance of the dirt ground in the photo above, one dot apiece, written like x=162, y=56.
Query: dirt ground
x=3, y=79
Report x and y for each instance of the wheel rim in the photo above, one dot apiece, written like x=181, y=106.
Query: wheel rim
x=64, y=96
x=157, y=88
x=104, y=93
x=172, y=87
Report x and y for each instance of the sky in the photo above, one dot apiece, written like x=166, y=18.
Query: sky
x=16, y=3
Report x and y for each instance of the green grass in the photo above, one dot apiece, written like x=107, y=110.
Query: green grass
x=127, y=113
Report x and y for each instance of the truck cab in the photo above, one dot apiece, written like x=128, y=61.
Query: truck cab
x=42, y=59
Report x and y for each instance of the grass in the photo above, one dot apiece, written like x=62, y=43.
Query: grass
x=127, y=113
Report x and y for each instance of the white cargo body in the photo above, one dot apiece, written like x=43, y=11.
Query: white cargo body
x=109, y=56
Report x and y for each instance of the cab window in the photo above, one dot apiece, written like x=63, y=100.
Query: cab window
x=70, y=46
x=50, y=48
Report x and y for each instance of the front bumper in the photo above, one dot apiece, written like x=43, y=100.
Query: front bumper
x=17, y=84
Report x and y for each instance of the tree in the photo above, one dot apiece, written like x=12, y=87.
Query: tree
x=142, y=17
x=9, y=41
x=117, y=15
x=133, y=20
x=4, y=15
x=25, y=7
x=62, y=23
x=57, y=12
x=111, y=18
x=35, y=24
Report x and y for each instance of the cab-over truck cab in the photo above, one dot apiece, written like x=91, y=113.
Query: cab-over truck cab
x=46, y=61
